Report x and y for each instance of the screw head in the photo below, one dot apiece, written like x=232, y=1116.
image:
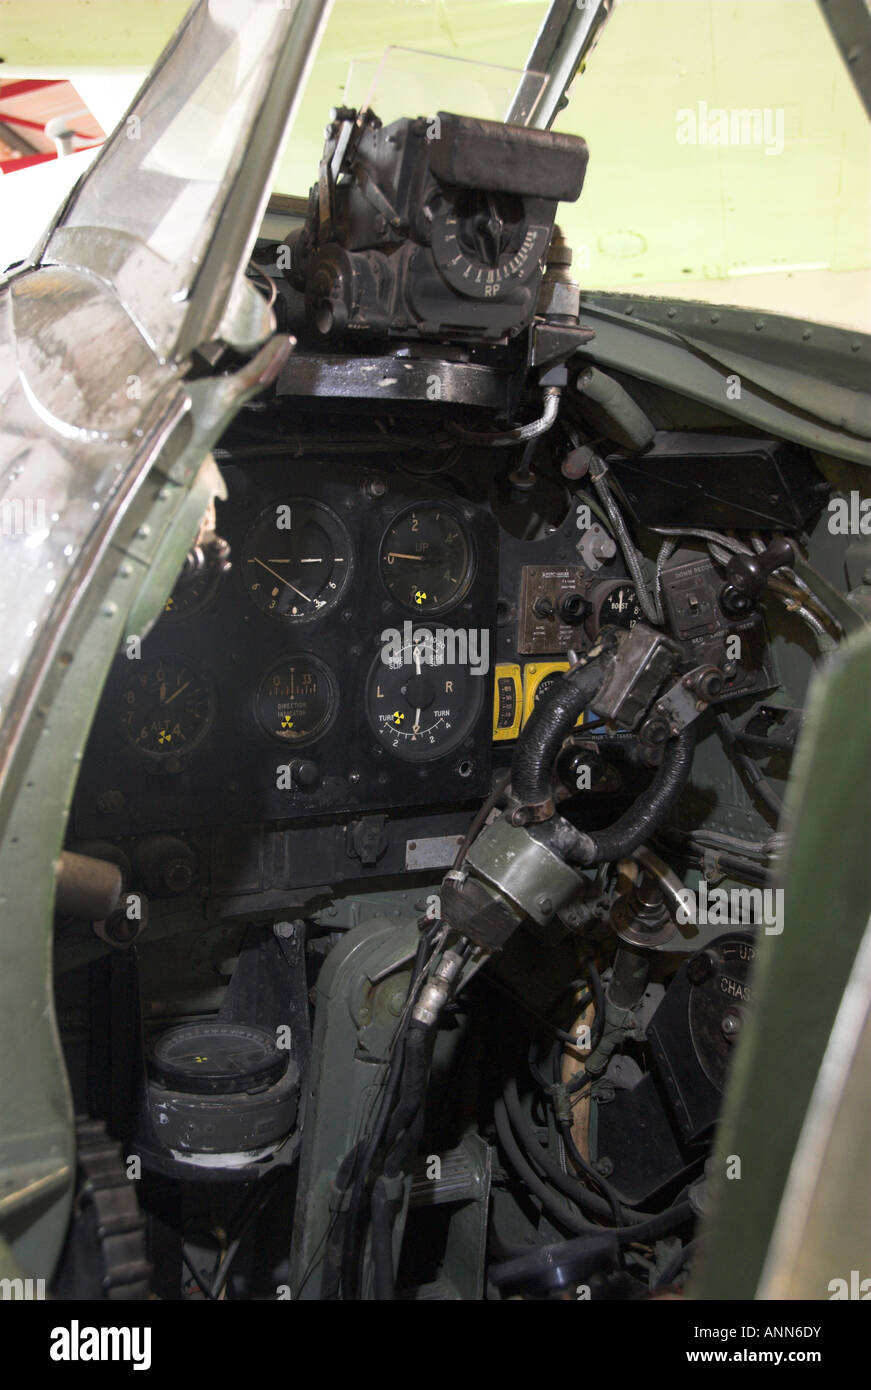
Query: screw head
x=731, y=1025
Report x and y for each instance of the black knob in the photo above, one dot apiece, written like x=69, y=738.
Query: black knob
x=747, y=575
x=305, y=774
x=701, y=967
x=543, y=608
x=574, y=608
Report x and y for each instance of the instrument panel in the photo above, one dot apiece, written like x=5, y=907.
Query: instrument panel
x=339, y=663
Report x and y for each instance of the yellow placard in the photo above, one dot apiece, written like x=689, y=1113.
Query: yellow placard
x=507, y=703
x=533, y=675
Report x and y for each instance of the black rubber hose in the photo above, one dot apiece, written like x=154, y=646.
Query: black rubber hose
x=419, y=1044
x=572, y=1260
x=549, y=725
x=643, y=818
x=551, y=1268
x=382, y=1242
x=657, y=1226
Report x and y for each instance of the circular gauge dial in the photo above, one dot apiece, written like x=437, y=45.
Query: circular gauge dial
x=297, y=699
x=426, y=559
x=166, y=707
x=194, y=586
x=420, y=704
x=485, y=246
x=296, y=560
x=617, y=606
x=214, y=1057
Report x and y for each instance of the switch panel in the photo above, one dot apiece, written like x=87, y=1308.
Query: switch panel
x=553, y=604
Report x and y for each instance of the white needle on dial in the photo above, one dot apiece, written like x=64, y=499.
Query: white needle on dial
x=283, y=580
x=415, y=728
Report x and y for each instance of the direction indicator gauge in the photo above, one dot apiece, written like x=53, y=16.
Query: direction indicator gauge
x=426, y=558
x=166, y=707
x=296, y=560
x=297, y=699
x=420, y=704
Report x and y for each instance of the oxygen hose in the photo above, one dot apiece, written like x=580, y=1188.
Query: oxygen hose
x=551, y=722
x=537, y=750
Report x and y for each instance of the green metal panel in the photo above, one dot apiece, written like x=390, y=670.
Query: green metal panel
x=800, y=978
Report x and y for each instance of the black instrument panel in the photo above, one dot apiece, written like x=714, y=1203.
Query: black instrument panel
x=330, y=669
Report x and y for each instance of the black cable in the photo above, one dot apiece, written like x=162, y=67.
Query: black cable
x=403, y=1135
x=580, y=1079
x=350, y=1231
x=591, y=1204
x=600, y=1208
x=382, y=1242
x=242, y=1221
x=201, y=1282
x=559, y=1211
x=591, y=1174
x=566, y=1212
x=758, y=781
x=300, y=445
x=599, y=998
x=675, y=1265
x=550, y=1172
x=631, y=554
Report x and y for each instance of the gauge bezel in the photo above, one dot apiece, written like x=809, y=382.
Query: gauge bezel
x=431, y=754
x=212, y=578
x=430, y=504
x=313, y=503
x=164, y=756
x=599, y=597
x=335, y=694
